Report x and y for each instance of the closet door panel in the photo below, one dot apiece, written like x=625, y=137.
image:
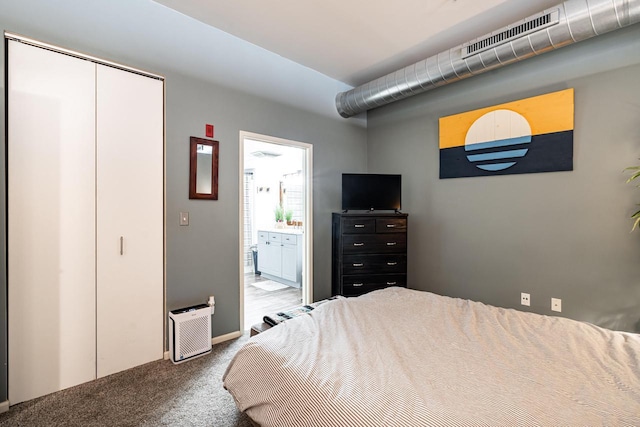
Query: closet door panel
x=130, y=212
x=51, y=221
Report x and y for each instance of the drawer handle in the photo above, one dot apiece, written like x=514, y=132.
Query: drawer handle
x=392, y=263
x=359, y=226
x=358, y=244
x=391, y=243
x=391, y=225
x=391, y=283
x=358, y=264
x=357, y=285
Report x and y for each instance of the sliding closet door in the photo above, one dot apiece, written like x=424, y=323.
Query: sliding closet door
x=51, y=221
x=130, y=220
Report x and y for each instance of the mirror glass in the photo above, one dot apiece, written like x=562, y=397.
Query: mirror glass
x=203, y=169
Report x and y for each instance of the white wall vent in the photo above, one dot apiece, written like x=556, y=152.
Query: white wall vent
x=527, y=27
x=189, y=333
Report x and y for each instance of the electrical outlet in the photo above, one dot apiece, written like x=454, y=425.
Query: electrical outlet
x=525, y=299
x=556, y=304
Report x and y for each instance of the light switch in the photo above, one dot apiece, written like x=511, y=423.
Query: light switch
x=184, y=218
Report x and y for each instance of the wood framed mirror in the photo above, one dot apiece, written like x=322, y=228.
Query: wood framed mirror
x=203, y=169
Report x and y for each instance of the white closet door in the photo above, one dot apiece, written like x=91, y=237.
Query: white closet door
x=51, y=221
x=130, y=220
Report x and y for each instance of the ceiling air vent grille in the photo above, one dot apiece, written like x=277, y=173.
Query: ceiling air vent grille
x=527, y=27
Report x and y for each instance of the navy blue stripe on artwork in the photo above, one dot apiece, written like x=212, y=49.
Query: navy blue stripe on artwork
x=497, y=155
x=499, y=143
x=550, y=152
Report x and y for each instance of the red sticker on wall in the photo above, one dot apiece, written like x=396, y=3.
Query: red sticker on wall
x=208, y=131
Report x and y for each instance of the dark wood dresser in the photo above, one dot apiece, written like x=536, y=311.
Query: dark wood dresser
x=369, y=252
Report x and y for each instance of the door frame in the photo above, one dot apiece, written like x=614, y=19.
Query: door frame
x=307, y=259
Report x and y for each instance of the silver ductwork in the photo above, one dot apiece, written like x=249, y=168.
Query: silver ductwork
x=562, y=25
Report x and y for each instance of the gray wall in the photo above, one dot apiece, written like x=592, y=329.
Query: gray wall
x=563, y=234
x=201, y=259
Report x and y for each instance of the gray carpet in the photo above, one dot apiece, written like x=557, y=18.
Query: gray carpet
x=156, y=394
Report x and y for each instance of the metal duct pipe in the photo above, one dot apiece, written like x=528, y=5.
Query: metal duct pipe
x=562, y=25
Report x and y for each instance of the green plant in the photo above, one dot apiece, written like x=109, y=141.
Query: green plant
x=636, y=174
x=279, y=211
x=288, y=215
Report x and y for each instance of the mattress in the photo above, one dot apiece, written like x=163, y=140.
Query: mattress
x=399, y=357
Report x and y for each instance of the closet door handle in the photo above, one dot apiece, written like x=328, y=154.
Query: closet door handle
x=121, y=245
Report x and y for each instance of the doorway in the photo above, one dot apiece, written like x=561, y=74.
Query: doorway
x=275, y=226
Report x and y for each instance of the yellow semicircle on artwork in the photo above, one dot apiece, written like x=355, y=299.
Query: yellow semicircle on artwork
x=549, y=113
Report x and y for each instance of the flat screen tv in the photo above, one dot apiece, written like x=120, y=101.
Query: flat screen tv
x=371, y=191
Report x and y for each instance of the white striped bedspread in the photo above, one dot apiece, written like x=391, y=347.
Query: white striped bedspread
x=398, y=357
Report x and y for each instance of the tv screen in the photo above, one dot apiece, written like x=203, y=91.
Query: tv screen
x=371, y=191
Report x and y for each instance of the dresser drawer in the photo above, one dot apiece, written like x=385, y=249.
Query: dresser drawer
x=263, y=236
x=289, y=239
x=391, y=225
x=358, y=225
x=359, y=284
x=373, y=264
x=374, y=243
x=275, y=237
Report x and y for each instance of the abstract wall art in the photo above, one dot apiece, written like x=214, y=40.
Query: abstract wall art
x=526, y=136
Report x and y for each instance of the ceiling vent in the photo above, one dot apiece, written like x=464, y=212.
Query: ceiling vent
x=528, y=27
x=265, y=154
x=567, y=23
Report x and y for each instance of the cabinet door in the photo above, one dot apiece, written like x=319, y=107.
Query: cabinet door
x=130, y=276
x=289, y=262
x=275, y=253
x=263, y=257
x=51, y=221
x=275, y=258
x=272, y=259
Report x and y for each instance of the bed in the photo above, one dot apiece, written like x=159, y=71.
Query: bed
x=399, y=357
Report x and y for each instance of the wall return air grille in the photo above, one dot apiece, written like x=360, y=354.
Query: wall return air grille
x=544, y=21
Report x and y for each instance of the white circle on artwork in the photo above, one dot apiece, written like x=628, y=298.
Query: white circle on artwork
x=494, y=142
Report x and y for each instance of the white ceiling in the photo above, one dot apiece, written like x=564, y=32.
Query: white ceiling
x=280, y=159
x=355, y=41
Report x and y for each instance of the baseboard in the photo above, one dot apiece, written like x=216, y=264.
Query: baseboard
x=214, y=341
x=226, y=337
x=4, y=406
